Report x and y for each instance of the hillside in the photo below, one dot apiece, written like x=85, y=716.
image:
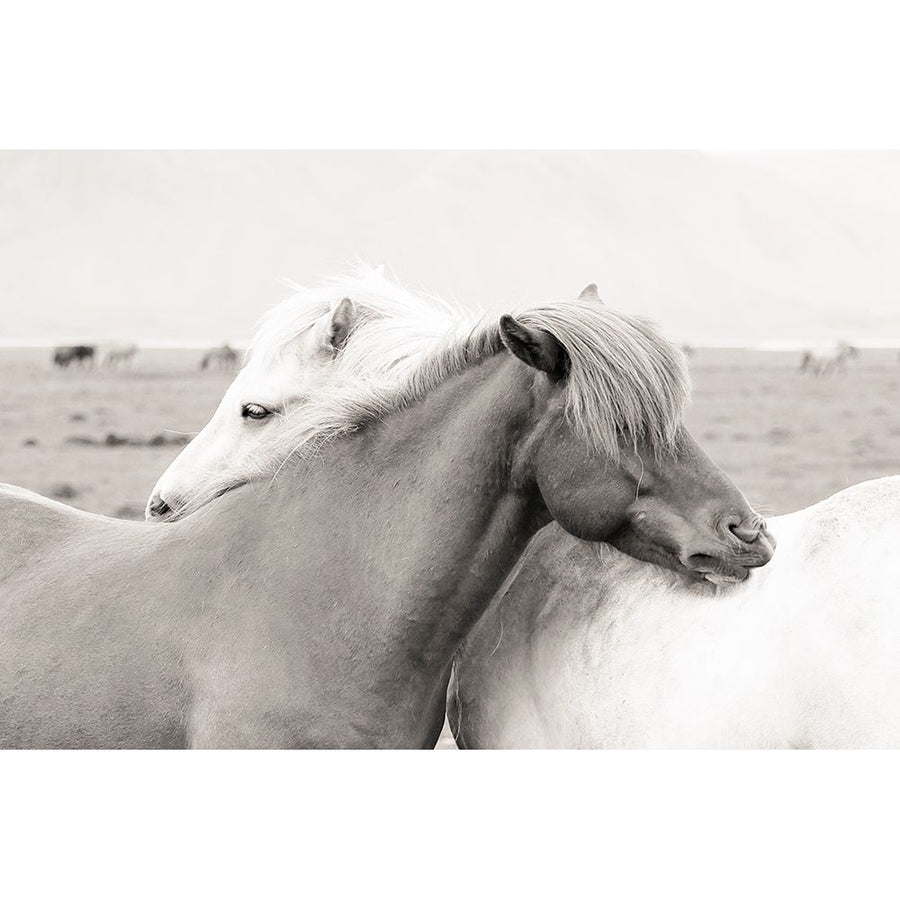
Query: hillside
x=720, y=248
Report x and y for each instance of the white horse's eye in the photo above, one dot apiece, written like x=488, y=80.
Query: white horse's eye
x=254, y=411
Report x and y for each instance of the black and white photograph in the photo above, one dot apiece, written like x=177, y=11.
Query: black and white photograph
x=391, y=490
x=393, y=378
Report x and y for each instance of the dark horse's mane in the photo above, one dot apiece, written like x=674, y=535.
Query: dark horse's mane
x=624, y=379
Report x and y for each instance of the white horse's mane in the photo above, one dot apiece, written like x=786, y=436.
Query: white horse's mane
x=392, y=323
x=624, y=378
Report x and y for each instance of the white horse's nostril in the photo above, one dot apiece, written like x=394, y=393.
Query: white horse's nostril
x=157, y=506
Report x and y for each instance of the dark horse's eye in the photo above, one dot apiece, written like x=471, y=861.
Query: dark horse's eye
x=254, y=411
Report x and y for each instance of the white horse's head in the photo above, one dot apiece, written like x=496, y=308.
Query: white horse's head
x=359, y=327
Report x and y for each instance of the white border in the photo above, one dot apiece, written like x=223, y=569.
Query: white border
x=617, y=824
x=787, y=74
x=475, y=74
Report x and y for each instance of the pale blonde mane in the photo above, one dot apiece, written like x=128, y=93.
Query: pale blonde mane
x=392, y=323
x=625, y=379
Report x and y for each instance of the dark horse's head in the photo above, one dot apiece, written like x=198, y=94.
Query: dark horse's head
x=611, y=458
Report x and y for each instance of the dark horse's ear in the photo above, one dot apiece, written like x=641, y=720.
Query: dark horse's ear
x=341, y=323
x=535, y=347
x=590, y=293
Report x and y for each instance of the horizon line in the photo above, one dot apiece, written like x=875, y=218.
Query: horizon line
x=787, y=345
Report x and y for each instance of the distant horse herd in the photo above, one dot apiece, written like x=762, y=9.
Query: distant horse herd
x=816, y=361
x=118, y=356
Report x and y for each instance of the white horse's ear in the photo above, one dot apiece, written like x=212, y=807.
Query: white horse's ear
x=341, y=323
x=535, y=347
x=590, y=293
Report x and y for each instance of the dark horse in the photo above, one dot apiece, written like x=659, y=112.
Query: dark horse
x=322, y=608
x=80, y=353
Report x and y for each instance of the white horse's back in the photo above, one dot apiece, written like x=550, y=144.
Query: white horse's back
x=591, y=648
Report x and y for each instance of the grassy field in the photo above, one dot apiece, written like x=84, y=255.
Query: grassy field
x=99, y=439
x=63, y=432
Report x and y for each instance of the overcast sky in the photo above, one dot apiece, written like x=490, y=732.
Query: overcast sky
x=736, y=248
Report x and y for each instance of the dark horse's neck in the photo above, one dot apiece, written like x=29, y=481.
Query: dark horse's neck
x=395, y=539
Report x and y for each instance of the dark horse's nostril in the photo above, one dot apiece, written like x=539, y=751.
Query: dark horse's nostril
x=158, y=506
x=748, y=532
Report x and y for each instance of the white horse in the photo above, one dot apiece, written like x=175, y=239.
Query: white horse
x=585, y=647
x=301, y=350
x=223, y=357
x=828, y=360
x=119, y=355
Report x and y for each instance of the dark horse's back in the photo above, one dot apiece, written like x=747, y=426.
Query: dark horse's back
x=80, y=666
x=32, y=524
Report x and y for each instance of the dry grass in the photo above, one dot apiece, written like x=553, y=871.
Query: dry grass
x=99, y=439
x=789, y=440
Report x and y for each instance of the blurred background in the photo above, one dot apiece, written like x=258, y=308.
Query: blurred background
x=750, y=260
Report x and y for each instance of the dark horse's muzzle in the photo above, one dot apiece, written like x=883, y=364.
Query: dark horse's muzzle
x=744, y=544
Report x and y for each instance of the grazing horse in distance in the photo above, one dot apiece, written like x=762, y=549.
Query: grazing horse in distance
x=119, y=355
x=359, y=327
x=584, y=647
x=82, y=354
x=828, y=361
x=224, y=357
x=323, y=607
